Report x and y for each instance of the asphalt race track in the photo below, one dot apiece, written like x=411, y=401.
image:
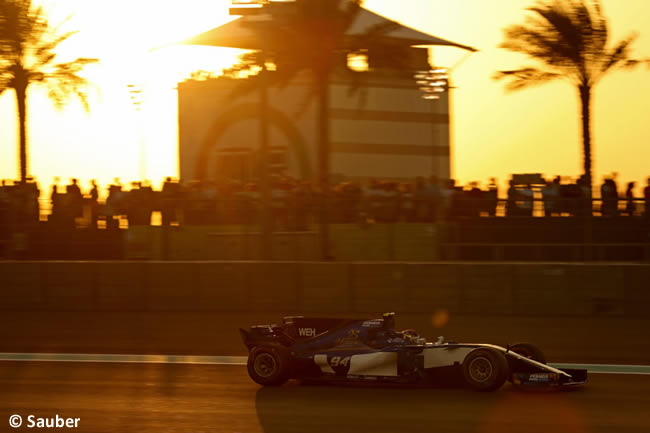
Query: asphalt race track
x=114, y=397
x=206, y=398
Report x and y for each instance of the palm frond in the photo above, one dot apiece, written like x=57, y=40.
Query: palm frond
x=247, y=71
x=541, y=44
x=593, y=25
x=380, y=30
x=308, y=38
x=526, y=77
x=27, y=54
x=44, y=49
x=556, y=23
x=619, y=56
x=383, y=49
x=358, y=85
x=5, y=79
x=36, y=26
x=569, y=37
x=64, y=81
x=311, y=40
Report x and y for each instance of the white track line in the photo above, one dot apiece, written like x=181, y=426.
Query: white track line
x=241, y=360
x=119, y=358
x=609, y=368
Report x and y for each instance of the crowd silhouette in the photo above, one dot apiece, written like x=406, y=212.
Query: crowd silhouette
x=294, y=204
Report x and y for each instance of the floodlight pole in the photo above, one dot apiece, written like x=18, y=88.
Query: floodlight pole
x=136, y=95
x=265, y=187
x=265, y=190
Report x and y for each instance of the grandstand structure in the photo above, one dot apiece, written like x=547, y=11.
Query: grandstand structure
x=388, y=128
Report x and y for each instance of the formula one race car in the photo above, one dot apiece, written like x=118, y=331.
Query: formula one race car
x=335, y=349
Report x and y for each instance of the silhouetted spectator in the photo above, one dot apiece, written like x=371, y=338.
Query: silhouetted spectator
x=571, y=198
x=474, y=201
x=406, y=205
x=303, y=203
x=5, y=228
x=113, y=206
x=630, y=205
x=562, y=203
x=550, y=193
x=585, y=202
x=147, y=203
x=492, y=197
x=525, y=202
x=279, y=204
x=73, y=204
x=27, y=194
x=56, y=201
x=437, y=203
x=169, y=201
x=420, y=203
x=346, y=202
x=139, y=204
x=374, y=196
x=616, y=196
x=392, y=201
x=646, y=196
x=452, y=196
x=511, y=201
x=608, y=198
x=94, y=206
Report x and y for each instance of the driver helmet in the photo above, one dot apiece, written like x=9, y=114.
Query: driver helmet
x=389, y=321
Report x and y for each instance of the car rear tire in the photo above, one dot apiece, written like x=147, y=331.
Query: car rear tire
x=268, y=366
x=485, y=369
x=529, y=351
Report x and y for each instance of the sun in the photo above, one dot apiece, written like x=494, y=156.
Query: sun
x=137, y=43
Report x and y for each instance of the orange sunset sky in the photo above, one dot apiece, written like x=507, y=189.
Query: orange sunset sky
x=494, y=133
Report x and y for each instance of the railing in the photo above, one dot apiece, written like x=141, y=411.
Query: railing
x=305, y=212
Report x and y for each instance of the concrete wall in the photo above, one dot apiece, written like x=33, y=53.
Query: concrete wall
x=506, y=289
x=349, y=242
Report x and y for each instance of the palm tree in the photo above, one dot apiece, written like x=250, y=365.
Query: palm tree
x=28, y=47
x=311, y=36
x=569, y=40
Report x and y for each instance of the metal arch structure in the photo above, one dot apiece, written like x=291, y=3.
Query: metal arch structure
x=250, y=111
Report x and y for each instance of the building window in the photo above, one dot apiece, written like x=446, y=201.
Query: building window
x=244, y=164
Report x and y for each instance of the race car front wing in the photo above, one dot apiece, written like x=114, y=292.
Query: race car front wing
x=550, y=379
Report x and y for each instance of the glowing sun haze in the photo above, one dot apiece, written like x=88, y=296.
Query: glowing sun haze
x=494, y=133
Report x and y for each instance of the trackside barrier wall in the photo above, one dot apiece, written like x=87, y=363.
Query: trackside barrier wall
x=295, y=287
x=239, y=242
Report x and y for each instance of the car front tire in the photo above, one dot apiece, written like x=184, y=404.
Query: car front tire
x=485, y=369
